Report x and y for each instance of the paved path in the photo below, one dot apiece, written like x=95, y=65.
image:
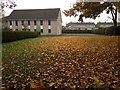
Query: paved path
x=81, y=34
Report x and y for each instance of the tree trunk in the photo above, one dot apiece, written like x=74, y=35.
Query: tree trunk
x=115, y=31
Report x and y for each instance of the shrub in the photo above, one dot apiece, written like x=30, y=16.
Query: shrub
x=101, y=31
x=106, y=31
x=76, y=31
x=110, y=30
x=6, y=29
x=8, y=36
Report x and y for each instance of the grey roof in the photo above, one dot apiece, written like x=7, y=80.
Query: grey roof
x=35, y=14
x=82, y=23
x=107, y=23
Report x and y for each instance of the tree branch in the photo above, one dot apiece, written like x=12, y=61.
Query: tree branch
x=112, y=13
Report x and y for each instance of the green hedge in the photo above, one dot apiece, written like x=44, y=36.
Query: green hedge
x=101, y=31
x=110, y=30
x=76, y=31
x=8, y=36
x=105, y=31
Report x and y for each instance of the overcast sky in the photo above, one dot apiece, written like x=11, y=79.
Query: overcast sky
x=62, y=4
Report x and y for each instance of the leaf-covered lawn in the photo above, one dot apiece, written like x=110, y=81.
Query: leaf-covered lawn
x=62, y=62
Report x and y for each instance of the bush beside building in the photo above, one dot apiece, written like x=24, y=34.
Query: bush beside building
x=9, y=36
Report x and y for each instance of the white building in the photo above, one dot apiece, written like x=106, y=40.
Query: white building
x=46, y=21
x=80, y=26
x=88, y=25
x=106, y=24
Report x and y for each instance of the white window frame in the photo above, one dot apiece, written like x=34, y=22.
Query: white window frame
x=35, y=27
x=10, y=26
x=41, y=27
x=49, y=27
x=29, y=27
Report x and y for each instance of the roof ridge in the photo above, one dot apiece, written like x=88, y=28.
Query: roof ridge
x=36, y=9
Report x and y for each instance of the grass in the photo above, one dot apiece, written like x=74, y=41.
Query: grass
x=62, y=61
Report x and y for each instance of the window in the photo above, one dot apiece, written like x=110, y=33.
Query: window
x=41, y=30
x=16, y=23
x=34, y=22
x=28, y=29
x=49, y=30
x=41, y=22
x=11, y=29
x=16, y=29
x=49, y=22
x=35, y=30
x=28, y=22
x=10, y=22
x=22, y=22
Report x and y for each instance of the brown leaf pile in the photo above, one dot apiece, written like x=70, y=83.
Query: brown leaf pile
x=63, y=62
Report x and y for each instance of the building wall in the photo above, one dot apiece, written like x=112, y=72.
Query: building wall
x=56, y=27
x=81, y=26
x=59, y=24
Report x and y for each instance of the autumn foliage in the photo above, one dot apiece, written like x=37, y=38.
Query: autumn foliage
x=66, y=62
x=8, y=4
x=93, y=10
